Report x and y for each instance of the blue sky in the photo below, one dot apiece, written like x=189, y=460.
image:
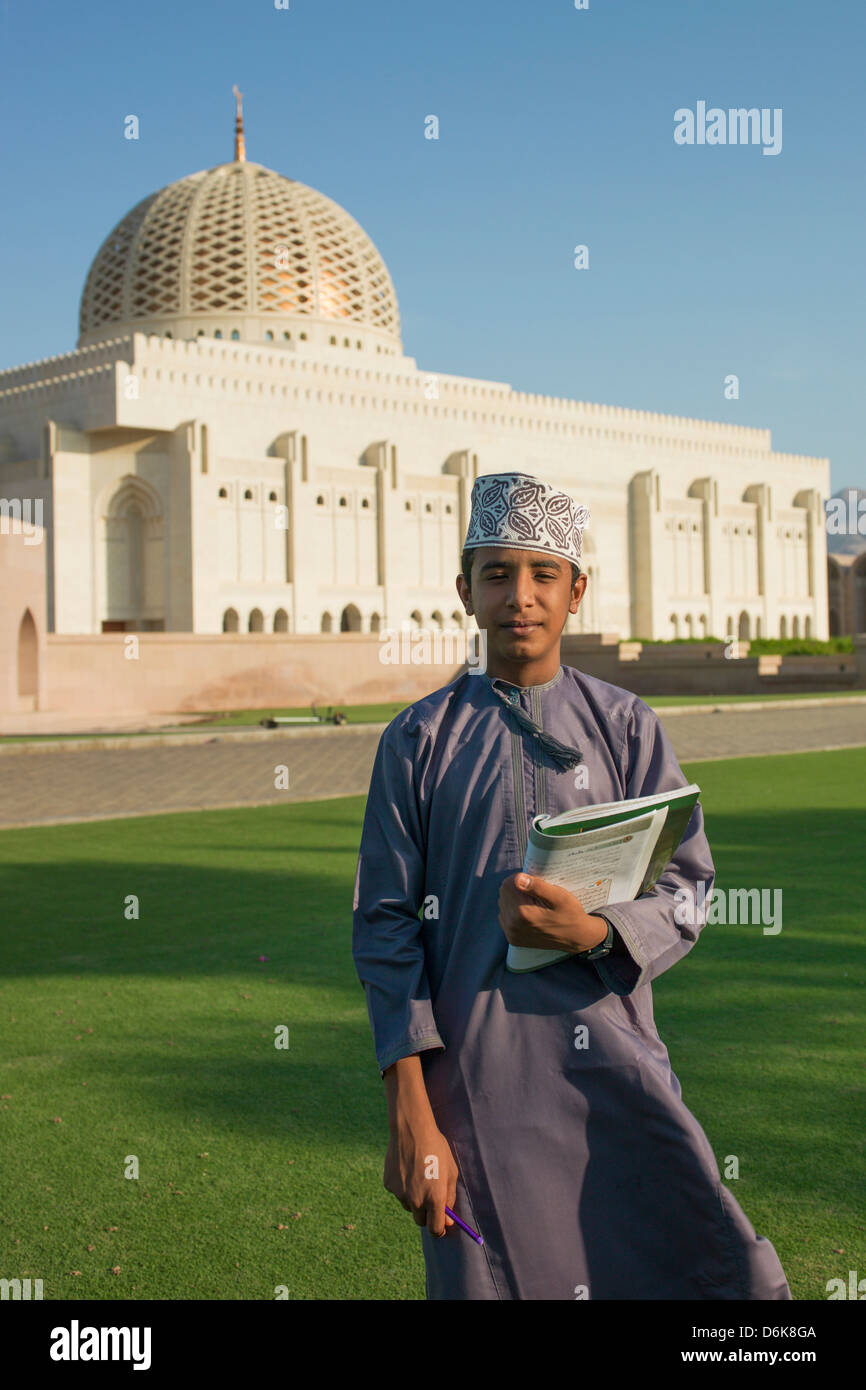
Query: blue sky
x=556, y=128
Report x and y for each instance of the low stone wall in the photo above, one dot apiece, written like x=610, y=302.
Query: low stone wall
x=164, y=672
x=157, y=672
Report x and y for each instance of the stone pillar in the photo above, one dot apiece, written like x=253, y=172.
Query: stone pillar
x=768, y=557
x=707, y=489
x=382, y=455
x=816, y=532
x=647, y=570
x=189, y=535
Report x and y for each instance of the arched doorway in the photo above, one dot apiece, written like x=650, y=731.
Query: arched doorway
x=134, y=570
x=28, y=659
x=230, y=620
x=257, y=621
x=350, y=619
x=327, y=624
x=744, y=628
x=281, y=620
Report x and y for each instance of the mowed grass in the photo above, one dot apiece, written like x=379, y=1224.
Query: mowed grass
x=260, y=1168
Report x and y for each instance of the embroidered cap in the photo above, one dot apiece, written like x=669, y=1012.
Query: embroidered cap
x=518, y=510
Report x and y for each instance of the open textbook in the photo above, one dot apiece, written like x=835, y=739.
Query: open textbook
x=609, y=853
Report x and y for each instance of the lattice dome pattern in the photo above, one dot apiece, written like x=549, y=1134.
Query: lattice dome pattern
x=238, y=238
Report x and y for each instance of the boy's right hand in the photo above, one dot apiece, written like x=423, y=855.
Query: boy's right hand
x=421, y=1172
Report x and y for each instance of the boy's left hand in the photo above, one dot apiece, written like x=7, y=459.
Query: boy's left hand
x=533, y=912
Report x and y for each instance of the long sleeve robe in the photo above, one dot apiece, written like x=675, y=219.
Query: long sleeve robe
x=580, y=1166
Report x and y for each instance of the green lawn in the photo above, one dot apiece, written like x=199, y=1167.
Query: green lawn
x=262, y=1167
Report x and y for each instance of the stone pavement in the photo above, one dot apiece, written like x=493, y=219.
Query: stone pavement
x=57, y=785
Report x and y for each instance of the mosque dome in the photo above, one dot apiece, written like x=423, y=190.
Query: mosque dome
x=240, y=251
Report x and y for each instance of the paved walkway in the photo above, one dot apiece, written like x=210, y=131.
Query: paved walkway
x=60, y=785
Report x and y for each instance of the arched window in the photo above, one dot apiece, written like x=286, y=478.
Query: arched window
x=375, y=622
x=350, y=619
x=248, y=496
x=675, y=624
x=690, y=627
x=230, y=620
x=257, y=621
x=417, y=620
x=235, y=334
x=320, y=501
x=795, y=630
x=437, y=618
x=28, y=658
x=269, y=337
x=808, y=631
x=783, y=628
x=327, y=623
x=458, y=619
x=281, y=620
x=223, y=492
x=218, y=333
x=272, y=497
x=287, y=337
x=744, y=630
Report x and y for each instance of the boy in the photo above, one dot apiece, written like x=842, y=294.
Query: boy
x=569, y=1151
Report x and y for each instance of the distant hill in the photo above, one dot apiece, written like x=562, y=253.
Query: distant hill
x=844, y=543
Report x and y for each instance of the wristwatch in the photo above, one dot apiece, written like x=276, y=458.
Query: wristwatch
x=602, y=949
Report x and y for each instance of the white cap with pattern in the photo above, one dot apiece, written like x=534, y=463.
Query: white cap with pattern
x=515, y=509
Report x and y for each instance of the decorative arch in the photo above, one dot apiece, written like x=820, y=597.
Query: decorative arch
x=231, y=621
x=132, y=551
x=28, y=658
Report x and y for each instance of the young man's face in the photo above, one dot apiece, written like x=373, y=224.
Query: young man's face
x=521, y=599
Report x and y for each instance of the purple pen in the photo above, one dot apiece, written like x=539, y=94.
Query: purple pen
x=479, y=1240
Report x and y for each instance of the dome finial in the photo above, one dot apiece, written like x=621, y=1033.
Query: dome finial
x=240, y=151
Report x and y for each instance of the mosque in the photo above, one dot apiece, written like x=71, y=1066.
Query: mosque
x=239, y=443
